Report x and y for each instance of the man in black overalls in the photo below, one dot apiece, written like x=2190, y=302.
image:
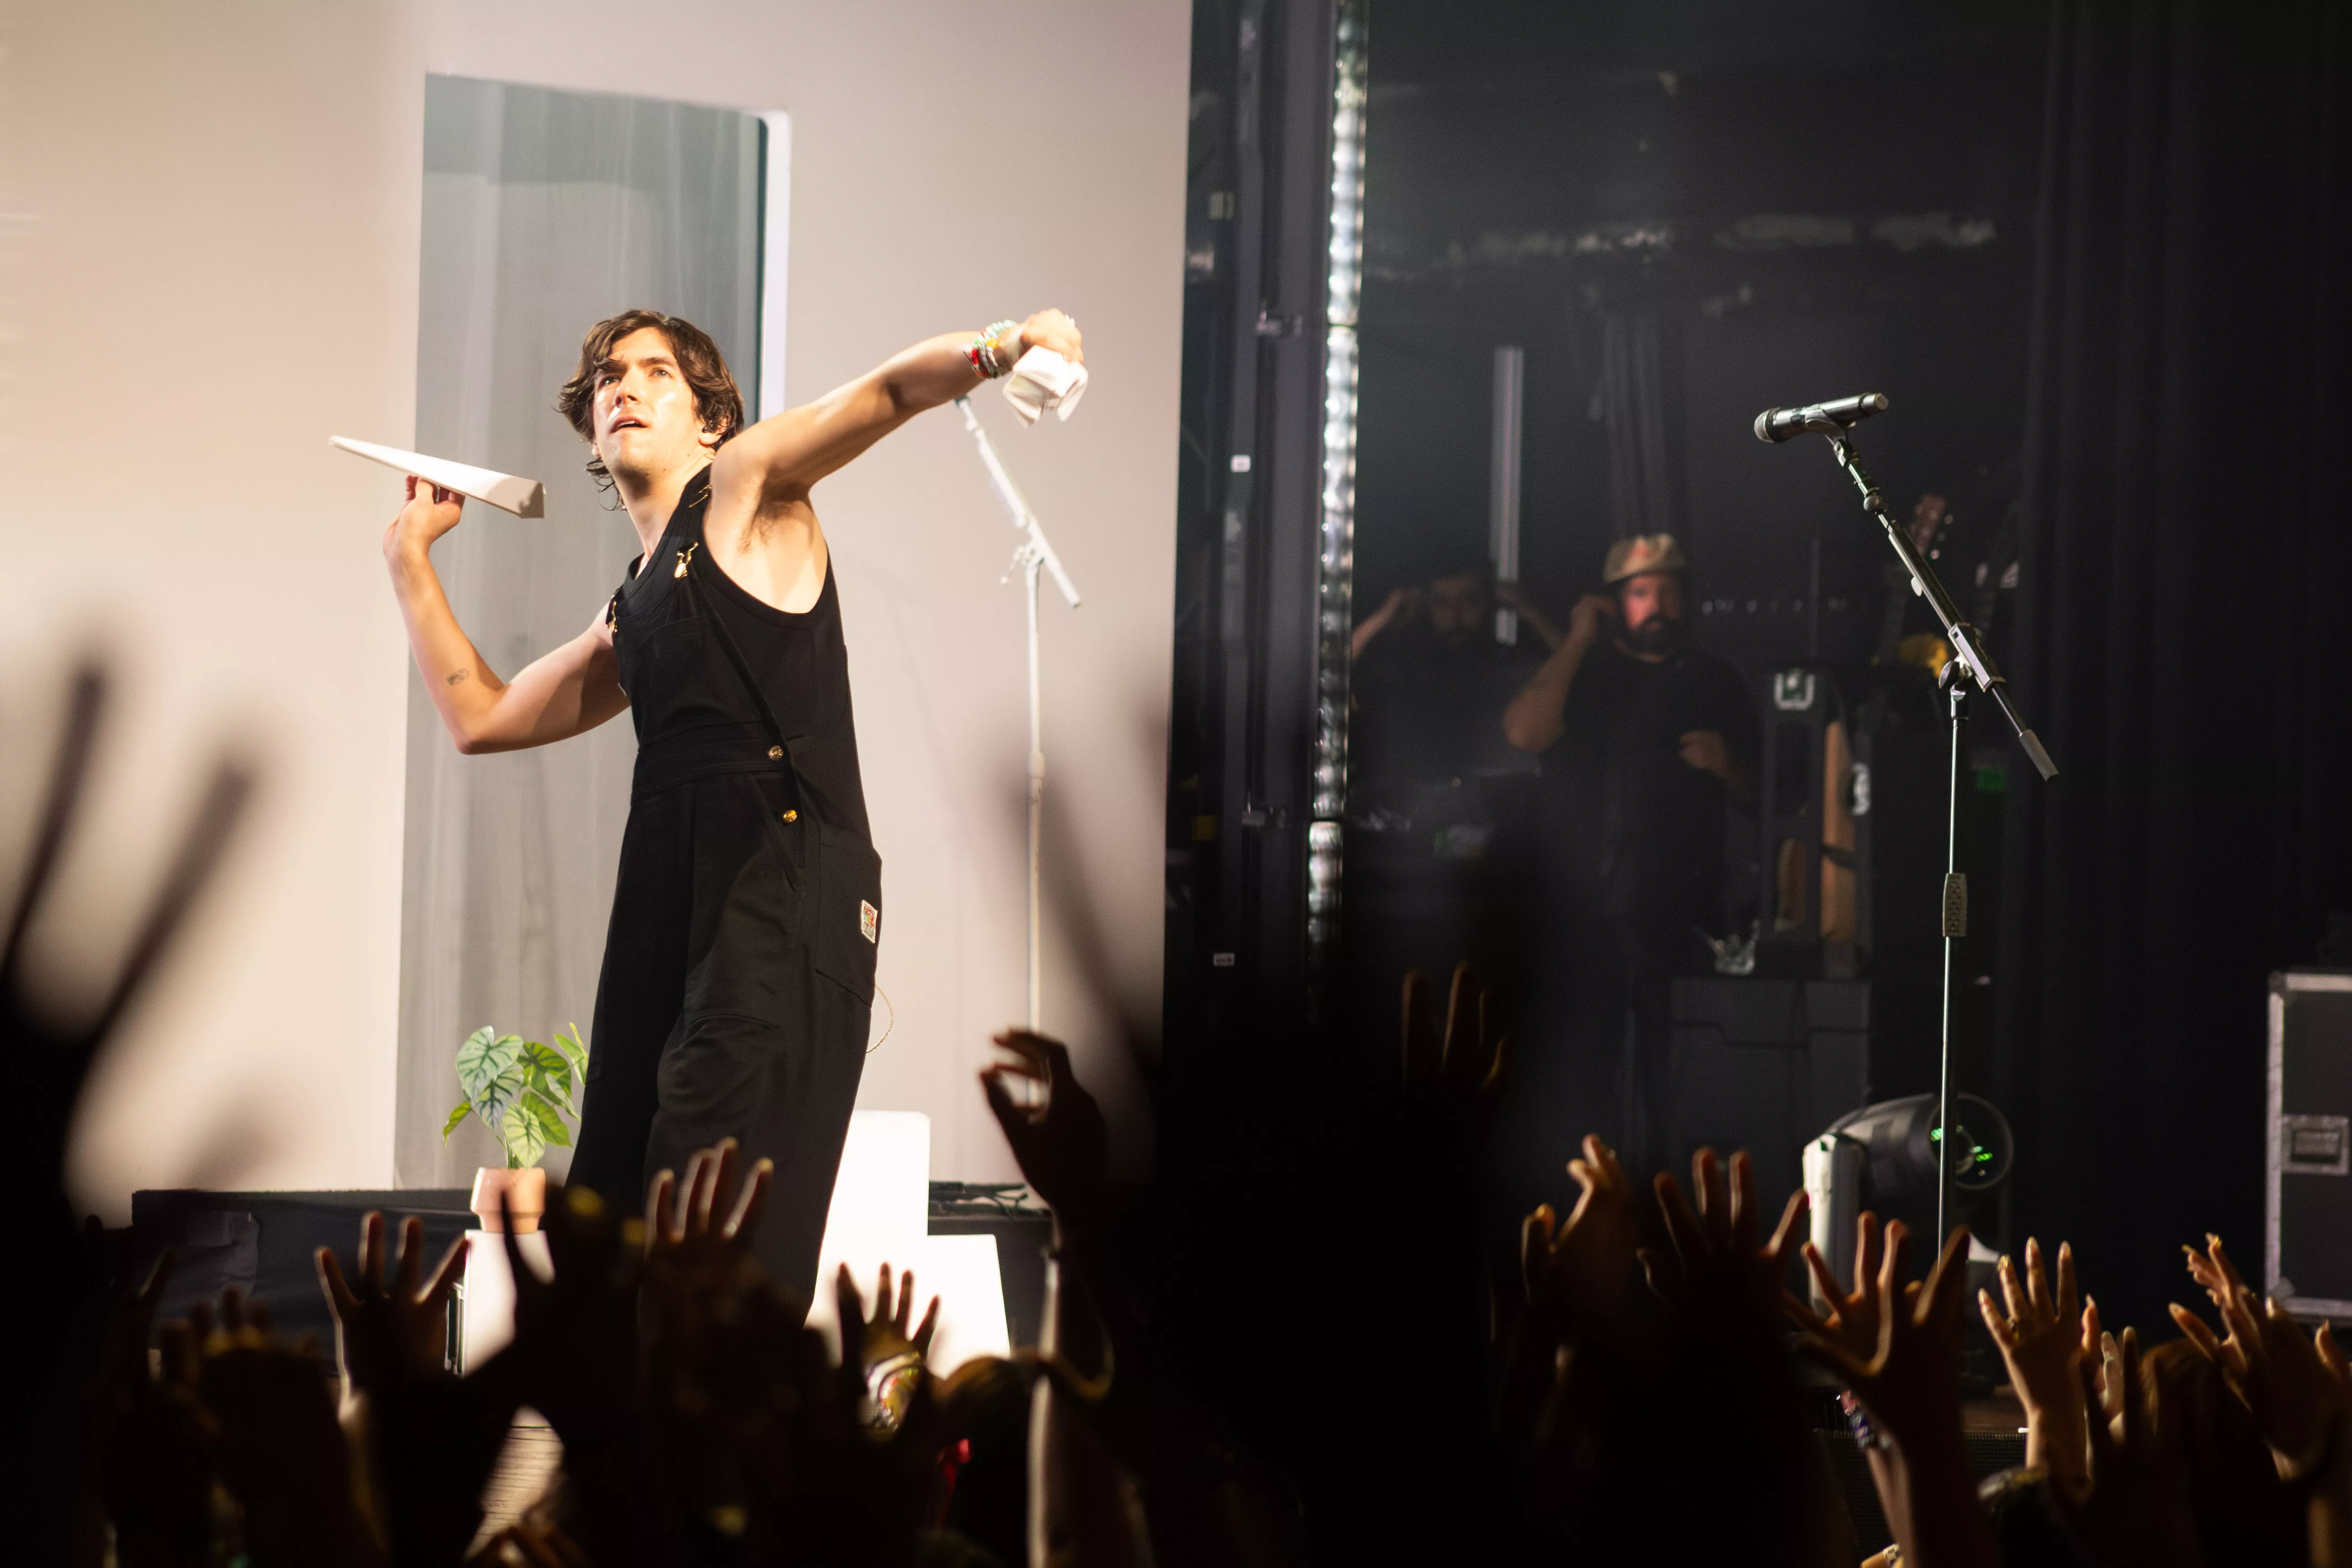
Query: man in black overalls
x=739, y=967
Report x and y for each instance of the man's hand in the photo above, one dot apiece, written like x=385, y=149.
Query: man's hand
x=1853, y=1321
x=1580, y=1274
x=1401, y=605
x=1705, y=750
x=1513, y=597
x=386, y=1334
x=430, y=513
x=1908, y=1381
x=1593, y=614
x=1052, y=330
x=1060, y=1145
x=1724, y=1272
x=2040, y=1336
x=2282, y=1376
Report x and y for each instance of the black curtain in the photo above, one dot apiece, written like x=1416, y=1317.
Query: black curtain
x=2183, y=619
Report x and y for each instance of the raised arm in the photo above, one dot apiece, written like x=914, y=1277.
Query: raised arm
x=1531, y=724
x=774, y=462
x=561, y=694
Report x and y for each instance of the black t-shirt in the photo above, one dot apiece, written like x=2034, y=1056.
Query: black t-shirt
x=1633, y=833
x=1430, y=710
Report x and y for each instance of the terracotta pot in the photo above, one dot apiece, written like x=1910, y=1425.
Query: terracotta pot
x=526, y=1193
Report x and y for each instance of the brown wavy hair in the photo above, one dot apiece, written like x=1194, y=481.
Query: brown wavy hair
x=717, y=398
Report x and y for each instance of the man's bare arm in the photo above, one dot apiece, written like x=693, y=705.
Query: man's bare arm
x=1532, y=721
x=773, y=464
x=561, y=694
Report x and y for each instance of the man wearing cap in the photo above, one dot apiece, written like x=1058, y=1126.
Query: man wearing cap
x=1645, y=745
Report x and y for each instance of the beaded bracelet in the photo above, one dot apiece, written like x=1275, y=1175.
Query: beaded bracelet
x=985, y=361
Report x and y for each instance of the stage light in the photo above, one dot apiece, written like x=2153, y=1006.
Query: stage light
x=1885, y=1158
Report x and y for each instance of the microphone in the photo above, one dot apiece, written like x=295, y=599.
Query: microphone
x=1819, y=418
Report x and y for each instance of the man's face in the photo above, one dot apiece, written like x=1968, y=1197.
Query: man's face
x=647, y=423
x=1652, y=605
x=1457, y=607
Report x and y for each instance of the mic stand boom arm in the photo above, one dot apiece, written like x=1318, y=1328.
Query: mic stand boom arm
x=1965, y=640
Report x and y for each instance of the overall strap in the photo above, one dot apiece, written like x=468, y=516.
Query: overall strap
x=780, y=750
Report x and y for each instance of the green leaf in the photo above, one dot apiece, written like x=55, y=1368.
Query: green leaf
x=542, y=1113
x=483, y=1058
x=550, y=1072
x=456, y=1117
x=573, y=1047
x=520, y=1133
x=492, y=1102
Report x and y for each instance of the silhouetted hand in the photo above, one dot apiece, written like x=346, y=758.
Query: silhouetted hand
x=388, y=1333
x=2280, y=1373
x=2131, y=1510
x=2040, y=1337
x=1467, y=1061
x=155, y=1471
x=1061, y=1145
x=699, y=1244
x=277, y=1447
x=1721, y=1262
x=1580, y=1275
x=576, y=1341
x=1909, y=1383
x=1853, y=1321
x=46, y=1059
x=1911, y=1387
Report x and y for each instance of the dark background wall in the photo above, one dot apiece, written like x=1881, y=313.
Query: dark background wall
x=2096, y=252
x=1808, y=201
x=1778, y=203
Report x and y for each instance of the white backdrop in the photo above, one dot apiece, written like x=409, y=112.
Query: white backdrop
x=208, y=260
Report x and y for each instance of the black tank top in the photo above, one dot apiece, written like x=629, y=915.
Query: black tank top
x=693, y=716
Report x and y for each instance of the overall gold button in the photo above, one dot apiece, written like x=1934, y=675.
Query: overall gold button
x=792, y=816
x=775, y=754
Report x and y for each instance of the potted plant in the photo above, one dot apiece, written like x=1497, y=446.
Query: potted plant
x=523, y=1091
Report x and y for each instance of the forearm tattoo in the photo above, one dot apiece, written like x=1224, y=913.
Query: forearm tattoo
x=458, y=676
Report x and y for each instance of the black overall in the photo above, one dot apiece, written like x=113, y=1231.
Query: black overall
x=738, y=968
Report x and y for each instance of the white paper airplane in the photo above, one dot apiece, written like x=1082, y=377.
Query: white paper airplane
x=524, y=498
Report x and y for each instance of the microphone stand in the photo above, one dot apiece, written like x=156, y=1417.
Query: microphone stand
x=1032, y=555
x=1969, y=662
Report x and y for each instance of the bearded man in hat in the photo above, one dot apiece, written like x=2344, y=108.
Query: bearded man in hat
x=1645, y=745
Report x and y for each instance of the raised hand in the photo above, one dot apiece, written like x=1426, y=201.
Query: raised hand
x=1469, y=1059
x=46, y=1059
x=385, y=1333
x=1716, y=1245
x=2040, y=1339
x=278, y=1447
x=1853, y=1321
x=427, y=511
x=887, y=1358
x=1908, y=1381
x=576, y=1341
x=1580, y=1274
x=1051, y=329
x=1061, y=1145
x=2131, y=1510
x=2282, y=1376
x=1912, y=1389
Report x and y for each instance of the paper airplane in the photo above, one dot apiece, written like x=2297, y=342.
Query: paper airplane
x=524, y=498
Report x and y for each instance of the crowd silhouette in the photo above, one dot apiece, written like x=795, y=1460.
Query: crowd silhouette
x=1329, y=1381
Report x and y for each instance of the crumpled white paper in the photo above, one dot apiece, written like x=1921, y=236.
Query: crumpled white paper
x=1041, y=379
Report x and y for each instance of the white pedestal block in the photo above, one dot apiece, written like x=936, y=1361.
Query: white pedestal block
x=486, y=1324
